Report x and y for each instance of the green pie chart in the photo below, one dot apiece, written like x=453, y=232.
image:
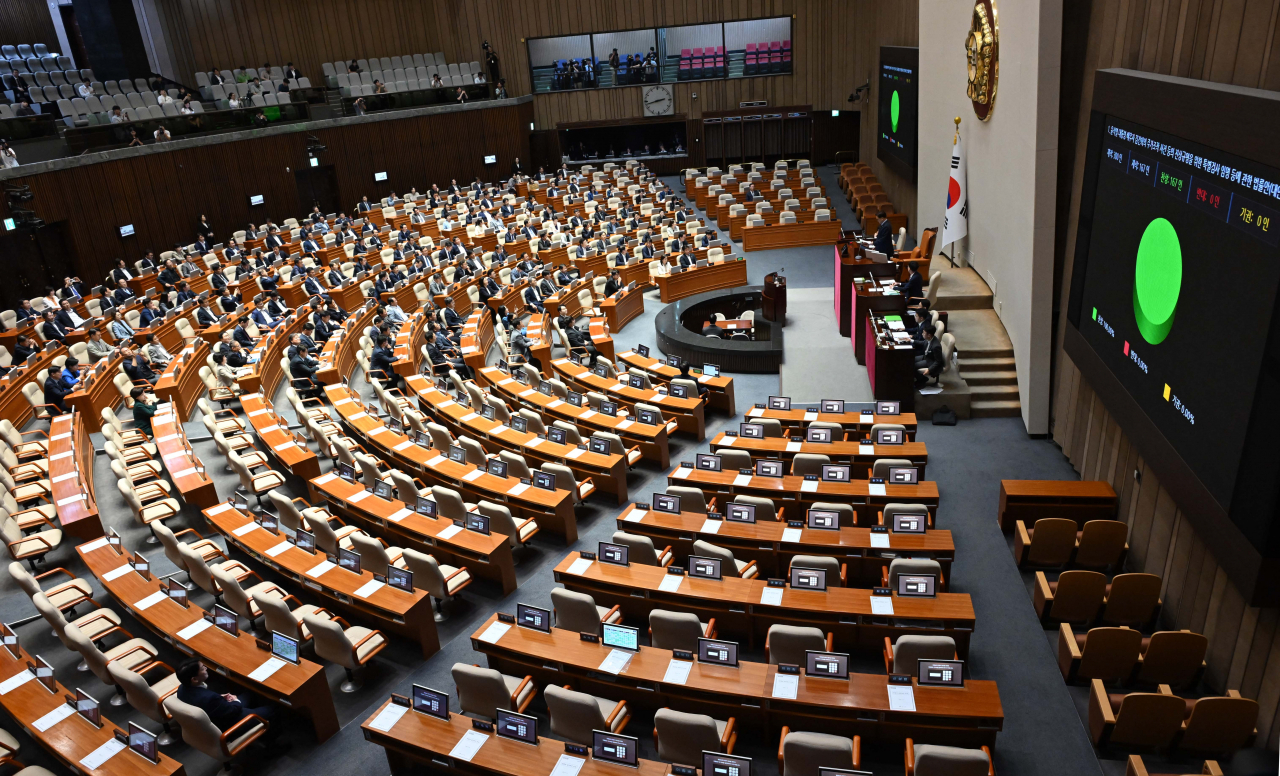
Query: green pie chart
x=1157, y=280
x=894, y=109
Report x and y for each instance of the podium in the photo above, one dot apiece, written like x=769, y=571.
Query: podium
x=774, y=299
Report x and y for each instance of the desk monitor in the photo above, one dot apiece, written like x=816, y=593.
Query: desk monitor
x=832, y=665
x=674, y=362
x=708, y=462
x=487, y=412
x=836, y=473
x=598, y=446
x=557, y=435
x=44, y=674
x=533, y=618
x=142, y=742
x=917, y=585
x=519, y=727
x=665, y=503
x=903, y=475
x=615, y=748
x=519, y=424
x=635, y=381
x=573, y=397
x=710, y=370
x=176, y=592
x=477, y=523
x=741, y=513
x=704, y=568
x=818, y=435
x=643, y=350
x=304, y=540
x=648, y=417
x=497, y=467
x=910, y=523
x=349, y=560
x=284, y=647
x=544, y=480
x=678, y=391
x=425, y=506
x=601, y=370
x=240, y=501
x=10, y=638
x=808, y=579
x=779, y=402
x=716, y=764
x=141, y=565
x=431, y=702
x=87, y=706
x=395, y=425
x=718, y=652
x=544, y=388
x=888, y=408
x=113, y=540
x=823, y=519
x=457, y=454
x=889, y=436
x=400, y=579
x=769, y=468
x=832, y=406
x=269, y=522
x=613, y=553
x=620, y=636
x=382, y=489
x=609, y=408
x=225, y=619
x=942, y=673
x=751, y=431
x=347, y=472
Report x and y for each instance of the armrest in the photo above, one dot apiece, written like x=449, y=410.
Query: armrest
x=730, y=735
x=1021, y=542
x=857, y=752
x=888, y=655
x=139, y=648
x=519, y=689
x=1098, y=698
x=831, y=640
x=1164, y=689
x=782, y=515
x=1136, y=767
x=1211, y=767
x=782, y=738
x=1067, y=638
x=614, y=714
x=910, y=757
x=231, y=732
x=991, y=766
x=844, y=574
x=39, y=432
x=34, y=537
x=58, y=570
x=666, y=551
x=711, y=505
x=751, y=564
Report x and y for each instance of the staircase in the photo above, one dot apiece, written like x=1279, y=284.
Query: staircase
x=986, y=354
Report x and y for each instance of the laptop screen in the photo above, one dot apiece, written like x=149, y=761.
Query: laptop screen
x=635, y=381
x=889, y=436
x=615, y=748
x=431, y=702
x=833, y=665
x=143, y=742
x=710, y=370
x=945, y=673
x=678, y=391
x=305, y=540
x=910, y=523
x=648, y=417
x=819, y=435
x=519, y=424
x=824, y=519
x=779, y=402
x=544, y=480
x=769, y=468
x=382, y=489
x=808, y=579
x=620, y=636
x=718, y=652
x=598, y=446
x=477, y=523
x=457, y=454
x=609, y=408
x=520, y=727
x=741, y=513
x=706, y=568
x=918, y=585
x=903, y=475
x=708, y=462
x=533, y=618
x=284, y=647
x=425, y=506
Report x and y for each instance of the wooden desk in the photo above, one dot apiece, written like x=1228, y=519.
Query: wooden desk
x=730, y=273
x=486, y=557
x=890, y=366
x=281, y=443
x=1078, y=500
x=180, y=384
x=763, y=542
x=652, y=440
x=265, y=373
x=72, y=739
x=14, y=407
x=858, y=423
x=302, y=687
x=71, y=477
x=790, y=492
x=338, y=356
x=735, y=603
x=868, y=300
x=859, y=456
x=967, y=716
x=720, y=389
x=420, y=744
x=554, y=510
x=689, y=414
x=408, y=345
x=567, y=298
x=623, y=307
x=96, y=391
x=186, y=469
x=607, y=472
x=763, y=238
x=637, y=273
x=386, y=608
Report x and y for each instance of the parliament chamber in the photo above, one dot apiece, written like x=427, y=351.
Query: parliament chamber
x=637, y=387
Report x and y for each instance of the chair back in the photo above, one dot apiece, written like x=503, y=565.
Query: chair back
x=574, y=715
x=516, y=464
x=1219, y=725
x=326, y=538
x=1078, y=596
x=824, y=562
x=640, y=548
x=1052, y=541
x=788, y=643
x=197, y=729
x=369, y=474
x=440, y=438
x=1102, y=544
x=881, y=466
x=683, y=737
x=52, y=616
x=1148, y=719
x=1174, y=658
x=765, y=509
x=29, y=584
x=575, y=611
x=448, y=503
x=331, y=642
x=564, y=478
x=1132, y=600
x=93, y=656
x=137, y=692
x=289, y=515
x=891, y=510
x=277, y=617
x=772, y=428
x=691, y=499
x=804, y=753
x=481, y=691
x=1110, y=653
x=728, y=565
x=809, y=463
x=933, y=760
x=170, y=544
x=571, y=435
x=406, y=489
x=426, y=573
x=373, y=557
x=913, y=566
x=233, y=596
x=731, y=459
x=500, y=520
x=198, y=570
x=674, y=630
x=907, y=650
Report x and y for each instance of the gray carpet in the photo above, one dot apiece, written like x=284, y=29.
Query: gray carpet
x=1043, y=733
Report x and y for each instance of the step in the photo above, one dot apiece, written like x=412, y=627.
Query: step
x=987, y=392
x=981, y=408
x=996, y=364
x=989, y=378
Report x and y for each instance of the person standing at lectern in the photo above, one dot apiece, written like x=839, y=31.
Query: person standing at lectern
x=884, y=235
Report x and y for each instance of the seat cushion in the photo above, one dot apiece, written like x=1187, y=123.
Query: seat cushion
x=528, y=529
x=68, y=593
x=43, y=541
x=749, y=573
x=141, y=653
x=950, y=760
x=366, y=649
x=168, y=684
x=455, y=583
x=97, y=622
x=244, y=738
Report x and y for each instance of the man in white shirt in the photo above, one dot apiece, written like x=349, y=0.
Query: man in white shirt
x=162, y=134
x=163, y=97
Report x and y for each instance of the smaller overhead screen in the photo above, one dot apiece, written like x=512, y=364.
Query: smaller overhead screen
x=897, y=129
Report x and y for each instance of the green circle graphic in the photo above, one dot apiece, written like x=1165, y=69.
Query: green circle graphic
x=894, y=108
x=1157, y=280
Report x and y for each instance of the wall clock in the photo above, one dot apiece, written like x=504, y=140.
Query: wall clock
x=658, y=100
x=982, y=50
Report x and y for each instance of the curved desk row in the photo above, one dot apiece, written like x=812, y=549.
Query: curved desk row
x=730, y=273
x=859, y=456
x=180, y=384
x=283, y=445
x=720, y=389
x=71, y=477
x=772, y=544
x=969, y=715
x=740, y=608
x=857, y=422
x=383, y=606
x=301, y=687
x=763, y=238
x=688, y=414
x=338, y=356
x=185, y=468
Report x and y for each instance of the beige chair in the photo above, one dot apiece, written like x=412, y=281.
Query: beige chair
x=901, y=657
x=729, y=566
x=349, y=646
x=803, y=754
x=887, y=514
x=837, y=572
x=640, y=549
x=1101, y=545
x=449, y=503
x=808, y=463
x=441, y=581
x=682, y=737
x=96, y=625
x=242, y=601
x=678, y=630
x=732, y=460
x=149, y=508
x=772, y=427
x=933, y=760
x=255, y=484
x=578, y=612
x=203, y=735
x=65, y=596
x=765, y=509
x=31, y=547
x=518, y=530
x=574, y=715
x=147, y=696
x=277, y=616
x=788, y=643
x=136, y=655
x=483, y=691
x=37, y=447
x=201, y=573
x=565, y=480
x=899, y=566
x=205, y=548
x=375, y=555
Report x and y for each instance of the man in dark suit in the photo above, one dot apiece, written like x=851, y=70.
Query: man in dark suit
x=55, y=390
x=67, y=317
x=913, y=288
x=310, y=247
x=273, y=240
x=72, y=289
x=224, y=709
x=363, y=206
x=532, y=298
x=324, y=327
x=750, y=195
x=25, y=311
x=51, y=329
x=452, y=320
x=150, y=312
x=884, y=235
x=227, y=302
x=185, y=293
x=930, y=363
x=312, y=284
x=612, y=285
x=712, y=330
x=241, y=332
x=205, y=316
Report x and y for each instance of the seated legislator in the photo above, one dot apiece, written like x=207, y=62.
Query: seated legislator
x=225, y=709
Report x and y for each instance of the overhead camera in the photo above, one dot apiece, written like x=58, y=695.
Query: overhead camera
x=314, y=146
x=25, y=218
x=17, y=194
x=857, y=93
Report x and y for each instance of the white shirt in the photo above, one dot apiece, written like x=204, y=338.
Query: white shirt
x=84, y=90
x=162, y=99
x=10, y=158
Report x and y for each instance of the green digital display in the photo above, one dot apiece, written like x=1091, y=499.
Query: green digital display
x=1157, y=280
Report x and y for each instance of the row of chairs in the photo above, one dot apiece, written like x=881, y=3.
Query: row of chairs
x=90, y=111
x=37, y=58
x=244, y=92
x=233, y=76
x=390, y=64
x=756, y=64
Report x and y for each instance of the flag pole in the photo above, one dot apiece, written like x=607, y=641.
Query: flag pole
x=954, y=141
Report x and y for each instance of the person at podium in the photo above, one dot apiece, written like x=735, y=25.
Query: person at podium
x=913, y=286
x=884, y=235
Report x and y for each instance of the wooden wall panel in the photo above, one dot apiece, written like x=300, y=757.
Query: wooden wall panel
x=27, y=21
x=163, y=193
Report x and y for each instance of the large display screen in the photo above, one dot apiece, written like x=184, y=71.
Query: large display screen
x=896, y=132
x=1178, y=289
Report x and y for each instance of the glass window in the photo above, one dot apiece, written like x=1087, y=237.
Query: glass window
x=562, y=63
x=758, y=47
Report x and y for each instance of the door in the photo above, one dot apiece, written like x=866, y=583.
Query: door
x=36, y=258
x=317, y=186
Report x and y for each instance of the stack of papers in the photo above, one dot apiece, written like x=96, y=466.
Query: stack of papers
x=901, y=698
x=677, y=672
x=579, y=566
x=786, y=686
x=615, y=662
x=671, y=583
x=468, y=745
x=771, y=596
x=388, y=717
x=494, y=632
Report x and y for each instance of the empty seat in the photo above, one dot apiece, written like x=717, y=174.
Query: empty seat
x=933, y=760
x=1175, y=658
x=802, y=754
x=574, y=715
x=902, y=656
x=678, y=630
x=682, y=737
x=1109, y=654
x=1075, y=597
x=729, y=566
x=482, y=691
x=788, y=643
x=1050, y=543
x=1141, y=719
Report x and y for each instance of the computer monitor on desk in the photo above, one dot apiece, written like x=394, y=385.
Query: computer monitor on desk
x=717, y=764
x=615, y=748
